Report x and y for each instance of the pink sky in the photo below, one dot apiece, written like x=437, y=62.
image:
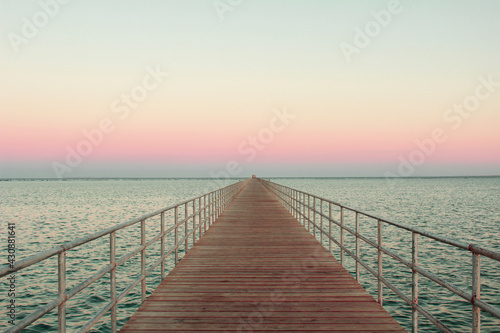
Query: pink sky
x=205, y=87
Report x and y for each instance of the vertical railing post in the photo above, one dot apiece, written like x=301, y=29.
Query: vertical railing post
x=476, y=292
x=330, y=227
x=176, y=234
x=379, y=271
x=61, y=274
x=162, y=245
x=210, y=201
x=357, y=247
x=112, y=278
x=297, y=205
x=286, y=192
x=205, y=211
x=308, y=213
x=215, y=207
x=414, y=282
x=214, y=203
x=199, y=216
x=301, y=208
x=223, y=199
x=294, y=203
x=217, y=204
x=194, y=221
x=186, y=241
x=220, y=204
x=342, y=236
x=287, y=198
x=321, y=222
x=304, y=216
x=143, y=260
x=314, y=216
x=290, y=200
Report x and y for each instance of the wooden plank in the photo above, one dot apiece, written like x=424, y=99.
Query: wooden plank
x=258, y=269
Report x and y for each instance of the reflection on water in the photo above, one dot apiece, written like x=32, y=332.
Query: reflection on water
x=48, y=213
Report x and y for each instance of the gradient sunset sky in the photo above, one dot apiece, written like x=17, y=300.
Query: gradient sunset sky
x=267, y=87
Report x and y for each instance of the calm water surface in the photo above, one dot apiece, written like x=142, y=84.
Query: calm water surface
x=48, y=213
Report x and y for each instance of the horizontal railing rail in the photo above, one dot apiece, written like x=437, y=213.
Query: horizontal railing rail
x=299, y=205
x=201, y=211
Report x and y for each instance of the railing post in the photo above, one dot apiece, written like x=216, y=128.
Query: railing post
x=219, y=211
x=210, y=200
x=143, y=260
x=304, y=216
x=186, y=241
x=314, y=216
x=199, y=217
x=297, y=216
x=204, y=213
x=321, y=222
x=217, y=204
x=224, y=190
x=287, y=199
x=194, y=221
x=294, y=203
x=290, y=201
x=301, y=208
x=357, y=246
x=342, y=236
x=330, y=227
x=379, y=271
x=476, y=292
x=112, y=278
x=214, y=206
x=214, y=200
x=162, y=245
x=308, y=213
x=61, y=273
x=414, y=282
x=176, y=234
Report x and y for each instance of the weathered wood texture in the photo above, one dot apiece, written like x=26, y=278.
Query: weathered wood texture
x=257, y=269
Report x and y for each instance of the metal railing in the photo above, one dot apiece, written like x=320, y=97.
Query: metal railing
x=299, y=205
x=202, y=211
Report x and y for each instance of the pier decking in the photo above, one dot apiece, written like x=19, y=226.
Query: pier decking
x=258, y=269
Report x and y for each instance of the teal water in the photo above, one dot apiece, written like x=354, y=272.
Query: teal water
x=48, y=213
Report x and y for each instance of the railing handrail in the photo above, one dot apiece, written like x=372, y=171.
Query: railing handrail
x=457, y=243
x=217, y=201
x=36, y=258
x=295, y=201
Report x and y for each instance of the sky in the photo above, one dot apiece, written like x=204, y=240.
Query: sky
x=219, y=88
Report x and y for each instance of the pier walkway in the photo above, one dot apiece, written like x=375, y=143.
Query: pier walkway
x=258, y=269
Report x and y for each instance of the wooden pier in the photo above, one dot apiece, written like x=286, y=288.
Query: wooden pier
x=258, y=269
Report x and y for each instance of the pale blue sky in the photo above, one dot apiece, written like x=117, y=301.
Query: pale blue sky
x=352, y=118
